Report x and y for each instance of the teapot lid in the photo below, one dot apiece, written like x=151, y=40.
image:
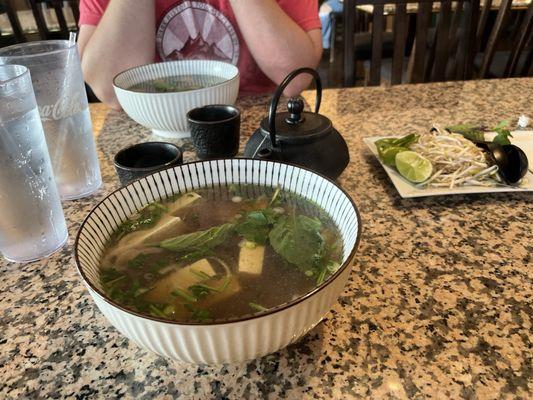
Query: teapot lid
x=296, y=125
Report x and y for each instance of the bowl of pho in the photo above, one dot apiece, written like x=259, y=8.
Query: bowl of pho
x=158, y=96
x=219, y=261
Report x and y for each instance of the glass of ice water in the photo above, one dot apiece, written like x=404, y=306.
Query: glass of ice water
x=32, y=225
x=58, y=83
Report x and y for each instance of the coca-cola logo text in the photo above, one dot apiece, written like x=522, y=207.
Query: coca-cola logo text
x=63, y=108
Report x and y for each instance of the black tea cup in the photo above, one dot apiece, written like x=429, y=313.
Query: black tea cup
x=143, y=159
x=215, y=131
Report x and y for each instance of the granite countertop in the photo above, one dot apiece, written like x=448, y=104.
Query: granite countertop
x=438, y=305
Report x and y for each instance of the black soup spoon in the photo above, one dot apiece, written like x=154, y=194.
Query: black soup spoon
x=511, y=160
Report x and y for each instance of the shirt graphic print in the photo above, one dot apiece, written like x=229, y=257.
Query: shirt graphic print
x=197, y=31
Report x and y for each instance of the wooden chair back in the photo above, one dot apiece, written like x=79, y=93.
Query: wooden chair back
x=521, y=42
x=37, y=7
x=499, y=25
x=446, y=53
x=481, y=26
x=524, y=38
x=18, y=34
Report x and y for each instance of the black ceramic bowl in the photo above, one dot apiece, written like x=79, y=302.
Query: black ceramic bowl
x=142, y=159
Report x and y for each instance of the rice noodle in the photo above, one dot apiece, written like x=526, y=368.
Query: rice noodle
x=456, y=161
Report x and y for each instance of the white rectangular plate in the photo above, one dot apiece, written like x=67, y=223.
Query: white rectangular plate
x=522, y=139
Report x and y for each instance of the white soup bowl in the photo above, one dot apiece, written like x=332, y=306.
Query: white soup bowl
x=166, y=113
x=242, y=338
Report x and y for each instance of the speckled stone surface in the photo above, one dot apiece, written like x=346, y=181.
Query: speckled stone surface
x=439, y=303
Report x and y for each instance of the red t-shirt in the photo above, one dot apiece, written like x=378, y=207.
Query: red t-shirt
x=209, y=30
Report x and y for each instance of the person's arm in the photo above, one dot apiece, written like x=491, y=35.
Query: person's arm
x=278, y=44
x=124, y=38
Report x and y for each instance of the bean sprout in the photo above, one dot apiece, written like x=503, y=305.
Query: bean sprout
x=456, y=161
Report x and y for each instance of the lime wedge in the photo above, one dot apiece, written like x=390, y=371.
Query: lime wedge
x=413, y=166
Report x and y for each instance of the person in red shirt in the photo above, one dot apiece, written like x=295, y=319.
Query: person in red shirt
x=266, y=39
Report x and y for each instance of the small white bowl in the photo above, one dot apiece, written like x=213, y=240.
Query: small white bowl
x=241, y=338
x=165, y=113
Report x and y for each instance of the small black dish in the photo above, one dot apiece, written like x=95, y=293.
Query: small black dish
x=142, y=159
x=215, y=131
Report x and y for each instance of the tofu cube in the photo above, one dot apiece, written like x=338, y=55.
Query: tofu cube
x=182, y=202
x=251, y=259
x=180, y=279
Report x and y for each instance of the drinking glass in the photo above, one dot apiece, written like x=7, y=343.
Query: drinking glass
x=32, y=224
x=58, y=84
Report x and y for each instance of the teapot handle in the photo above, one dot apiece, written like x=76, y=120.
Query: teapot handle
x=279, y=91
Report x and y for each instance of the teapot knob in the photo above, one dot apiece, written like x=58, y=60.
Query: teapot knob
x=277, y=95
x=295, y=106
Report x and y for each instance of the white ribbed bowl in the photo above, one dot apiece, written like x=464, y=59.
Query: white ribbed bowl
x=244, y=338
x=165, y=113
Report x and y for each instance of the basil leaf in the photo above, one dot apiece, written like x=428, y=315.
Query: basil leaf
x=404, y=141
x=502, y=138
x=255, y=225
x=206, y=239
x=195, y=255
x=502, y=133
x=407, y=140
x=470, y=132
x=298, y=240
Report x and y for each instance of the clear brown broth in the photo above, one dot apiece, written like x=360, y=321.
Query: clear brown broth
x=279, y=282
x=181, y=83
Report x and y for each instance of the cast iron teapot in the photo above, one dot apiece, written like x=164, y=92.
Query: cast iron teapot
x=300, y=137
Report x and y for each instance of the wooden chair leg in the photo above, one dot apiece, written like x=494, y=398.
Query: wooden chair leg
x=349, y=31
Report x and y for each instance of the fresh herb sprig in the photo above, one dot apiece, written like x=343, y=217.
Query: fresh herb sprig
x=196, y=292
x=298, y=240
x=124, y=290
x=477, y=133
x=207, y=239
x=147, y=218
x=502, y=133
x=471, y=132
x=255, y=226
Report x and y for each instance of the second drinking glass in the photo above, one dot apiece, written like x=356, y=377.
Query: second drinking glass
x=58, y=84
x=32, y=225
